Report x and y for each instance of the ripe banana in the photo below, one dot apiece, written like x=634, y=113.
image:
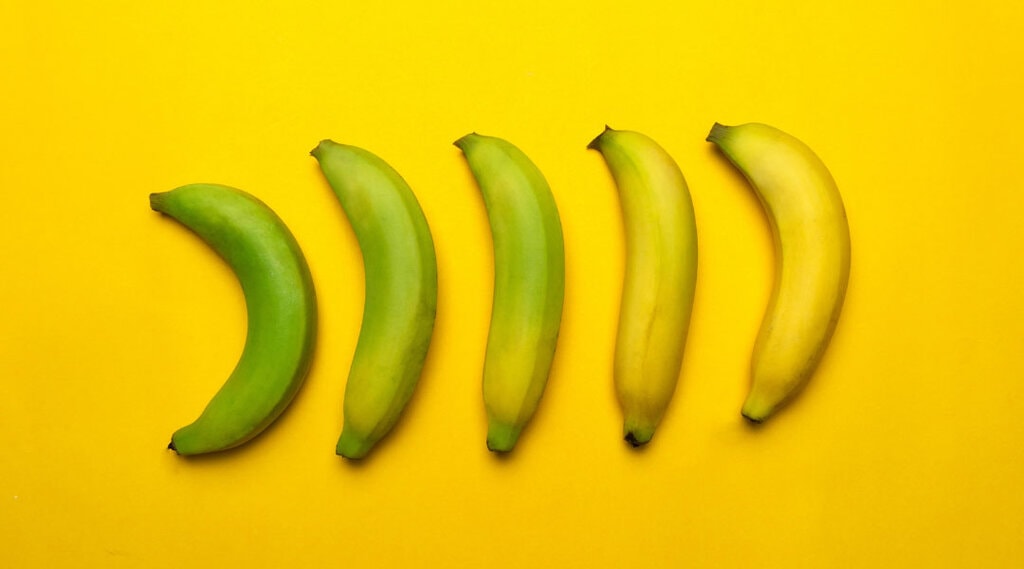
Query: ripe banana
x=401, y=291
x=812, y=258
x=660, y=277
x=529, y=284
x=281, y=306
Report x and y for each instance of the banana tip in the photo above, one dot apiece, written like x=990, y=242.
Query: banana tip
x=352, y=446
x=502, y=437
x=753, y=420
x=464, y=141
x=500, y=445
x=718, y=131
x=156, y=201
x=499, y=451
x=315, y=153
x=635, y=440
x=351, y=458
x=756, y=409
x=596, y=143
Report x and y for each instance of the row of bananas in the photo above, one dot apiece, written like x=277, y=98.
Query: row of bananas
x=800, y=198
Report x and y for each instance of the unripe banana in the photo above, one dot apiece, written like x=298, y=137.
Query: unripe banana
x=401, y=291
x=812, y=258
x=529, y=284
x=280, y=303
x=660, y=277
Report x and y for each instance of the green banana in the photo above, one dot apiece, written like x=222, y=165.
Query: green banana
x=280, y=303
x=401, y=291
x=660, y=277
x=812, y=258
x=529, y=284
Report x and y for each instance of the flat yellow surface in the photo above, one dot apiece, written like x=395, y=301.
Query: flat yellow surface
x=906, y=450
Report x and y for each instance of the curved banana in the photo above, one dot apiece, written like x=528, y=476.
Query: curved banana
x=280, y=303
x=660, y=277
x=401, y=291
x=529, y=284
x=812, y=258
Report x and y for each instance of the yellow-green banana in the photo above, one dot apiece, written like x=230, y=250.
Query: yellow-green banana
x=280, y=303
x=660, y=277
x=529, y=284
x=812, y=258
x=401, y=291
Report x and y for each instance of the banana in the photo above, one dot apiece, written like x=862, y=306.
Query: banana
x=812, y=259
x=401, y=292
x=660, y=277
x=280, y=303
x=529, y=284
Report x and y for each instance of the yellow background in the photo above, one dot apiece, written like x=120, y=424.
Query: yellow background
x=118, y=325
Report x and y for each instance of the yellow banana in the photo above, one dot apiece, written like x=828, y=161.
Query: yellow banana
x=280, y=303
x=812, y=258
x=401, y=291
x=529, y=284
x=660, y=277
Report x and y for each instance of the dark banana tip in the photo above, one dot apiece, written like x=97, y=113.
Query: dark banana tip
x=635, y=442
x=462, y=142
x=156, y=201
x=501, y=455
x=753, y=421
x=172, y=447
x=315, y=153
x=718, y=131
x=498, y=451
x=596, y=143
